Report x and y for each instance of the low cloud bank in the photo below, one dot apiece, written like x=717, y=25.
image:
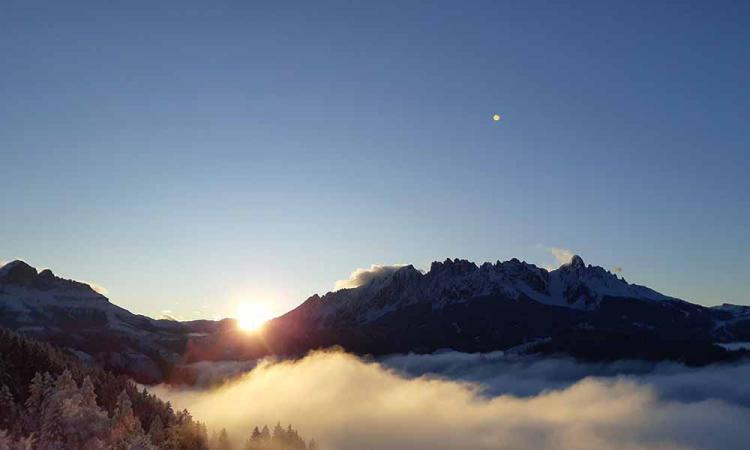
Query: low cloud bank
x=346, y=402
x=361, y=277
x=498, y=373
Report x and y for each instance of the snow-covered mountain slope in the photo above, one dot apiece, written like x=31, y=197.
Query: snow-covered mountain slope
x=577, y=309
x=573, y=285
x=732, y=322
x=73, y=315
x=29, y=295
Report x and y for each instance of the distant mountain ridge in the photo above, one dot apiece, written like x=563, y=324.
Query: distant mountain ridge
x=578, y=309
x=72, y=314
x=572, y=285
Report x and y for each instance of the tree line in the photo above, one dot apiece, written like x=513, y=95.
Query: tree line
x=263, y=439
x=49, y=400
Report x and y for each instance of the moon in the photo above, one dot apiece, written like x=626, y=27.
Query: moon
x=496, y=117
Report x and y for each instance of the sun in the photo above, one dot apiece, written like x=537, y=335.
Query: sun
x=252, y=316
x=496, y=117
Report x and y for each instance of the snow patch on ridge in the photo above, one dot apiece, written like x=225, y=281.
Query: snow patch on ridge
x=573, y=285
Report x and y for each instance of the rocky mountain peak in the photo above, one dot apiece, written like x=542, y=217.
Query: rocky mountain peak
x=573, y=285
x=23, y=276
x=17, y=272
x=407, y=273
x=577, y=261
x=452, y=266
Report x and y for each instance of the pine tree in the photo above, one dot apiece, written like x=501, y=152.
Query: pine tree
x=87, y=426
x=87, y=393
x=69, y=420
x=6, y=442
x=56, y=401
x=254, y=443
x=186, y=434
x=65, y=382
x=8, y=409
x=126, y=429
x=279, y=436
x=156, y=430
x=123, y=416
x=33, y=404
x=223, y=441
x=36, y=392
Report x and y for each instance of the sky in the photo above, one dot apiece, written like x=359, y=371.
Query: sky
x=191, y=156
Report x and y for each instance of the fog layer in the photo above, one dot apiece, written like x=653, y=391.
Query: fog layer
x=492, y=402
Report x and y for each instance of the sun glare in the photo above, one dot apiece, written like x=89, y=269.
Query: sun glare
x=252, y=316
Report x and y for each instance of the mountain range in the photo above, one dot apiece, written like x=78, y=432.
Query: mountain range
x=579, y=310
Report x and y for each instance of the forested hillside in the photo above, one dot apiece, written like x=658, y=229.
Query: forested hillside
x=49, y=400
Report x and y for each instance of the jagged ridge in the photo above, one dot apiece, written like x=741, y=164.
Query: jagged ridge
x=573, y=285
x=578, y=309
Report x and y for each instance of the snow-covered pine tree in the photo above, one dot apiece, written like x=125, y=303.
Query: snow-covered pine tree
x=88, y=395
x=8, y=410
x=156, y=430
x=126, y=429
x=53, y=412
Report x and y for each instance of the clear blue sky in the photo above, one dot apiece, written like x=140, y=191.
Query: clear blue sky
x=187, y=156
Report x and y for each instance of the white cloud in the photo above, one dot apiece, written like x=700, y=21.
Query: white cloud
x=360, y=277
x=167, y=314
x=97, y=287
x=345, y=402
x=562, y=255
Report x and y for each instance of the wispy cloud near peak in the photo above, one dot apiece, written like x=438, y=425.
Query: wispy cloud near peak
x=360, y=277
x=562, y=255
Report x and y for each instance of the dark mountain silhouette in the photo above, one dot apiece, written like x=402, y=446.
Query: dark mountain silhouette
x=581, y=310
x=74, y=316
x=578, y=309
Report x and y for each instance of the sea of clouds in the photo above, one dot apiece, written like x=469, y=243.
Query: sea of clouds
x=451, y=400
